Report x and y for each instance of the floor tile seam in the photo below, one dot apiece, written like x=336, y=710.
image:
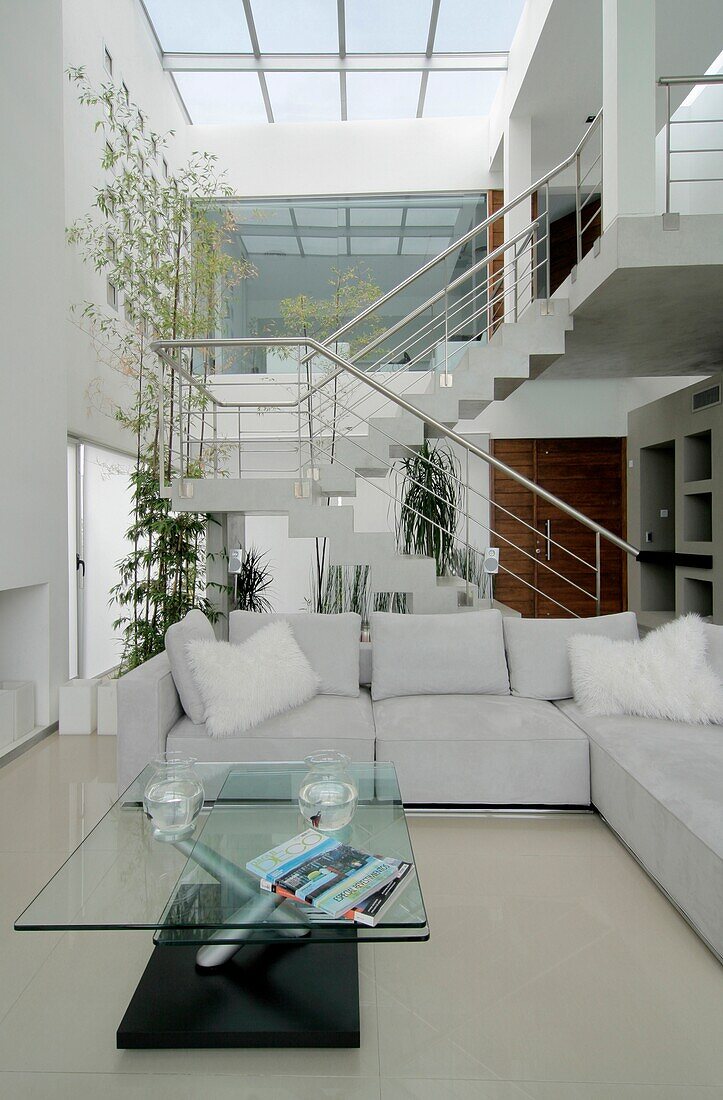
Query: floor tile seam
x=31, y=979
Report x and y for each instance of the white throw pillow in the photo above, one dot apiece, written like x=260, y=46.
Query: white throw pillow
x=242, y=685
x=666, y=675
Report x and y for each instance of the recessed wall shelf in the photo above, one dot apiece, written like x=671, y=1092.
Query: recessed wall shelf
x=697, y=458
x=698, y=517
x=697, y=596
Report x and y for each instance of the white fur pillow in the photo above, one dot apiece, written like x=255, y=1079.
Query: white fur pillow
x=666, y=675
x=242, y=685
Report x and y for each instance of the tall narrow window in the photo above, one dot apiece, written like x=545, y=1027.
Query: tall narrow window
x=112, y=292
x=107, y=61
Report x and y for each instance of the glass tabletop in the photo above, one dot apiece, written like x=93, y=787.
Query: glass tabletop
x=189, y=891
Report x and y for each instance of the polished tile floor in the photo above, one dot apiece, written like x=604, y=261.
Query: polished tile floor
x=555, y=971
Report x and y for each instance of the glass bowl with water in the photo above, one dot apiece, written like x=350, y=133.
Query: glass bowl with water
x=328, y=793
x=173, y=796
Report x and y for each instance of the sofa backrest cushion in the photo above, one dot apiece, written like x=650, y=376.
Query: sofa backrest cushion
x=537, y=654
x=459, y=654
x=195, y=626
x=714, y=639
x=330, y=644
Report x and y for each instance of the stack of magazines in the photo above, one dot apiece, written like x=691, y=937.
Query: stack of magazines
x=335, y=878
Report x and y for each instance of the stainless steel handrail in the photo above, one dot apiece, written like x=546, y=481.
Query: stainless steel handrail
x=468, y=236
x=163, y=347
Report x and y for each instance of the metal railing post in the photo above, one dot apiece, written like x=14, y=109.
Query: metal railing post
x=578, y=217
x=466, y=528
x=215, y=440
x=667, y=148
x=548, y=248
x=598, y=575
x=162, y=427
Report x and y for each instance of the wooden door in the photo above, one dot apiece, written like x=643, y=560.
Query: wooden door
x=589, y=474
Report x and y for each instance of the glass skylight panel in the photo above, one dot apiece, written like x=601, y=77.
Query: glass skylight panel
x=382, y=95
x=221, y=97
x=304, y=97
x=189, y=26
x=292, y=26
x=327, y=216
x=381, y=26
x=434, y=215
x=323, y=246
x=374, y=246
x=375, y=215
x=270, y=246
x=477, y=26
x=261, y=216
x=460, y=93
x=424, y=246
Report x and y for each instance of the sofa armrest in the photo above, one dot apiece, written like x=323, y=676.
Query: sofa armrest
x=148, y=707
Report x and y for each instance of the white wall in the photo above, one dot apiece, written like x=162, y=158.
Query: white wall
x=94, y=388
x=33, y=523
x=351, y=158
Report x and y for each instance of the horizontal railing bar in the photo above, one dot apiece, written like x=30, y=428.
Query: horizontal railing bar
x=696, y=179
x=539, y=591
x=590, y=195
x=693, y=121
x=709, y=78
x=597, y=160
x=719, y=149
x=595, y=214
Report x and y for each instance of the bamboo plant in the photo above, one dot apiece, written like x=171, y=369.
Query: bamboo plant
x=252, y=583
x=157, y=237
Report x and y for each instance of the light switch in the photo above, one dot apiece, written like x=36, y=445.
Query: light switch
x=663, y=513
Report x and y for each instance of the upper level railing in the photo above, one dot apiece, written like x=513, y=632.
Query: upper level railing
x=691, y=167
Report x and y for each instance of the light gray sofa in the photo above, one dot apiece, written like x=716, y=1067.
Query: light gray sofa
x=474, y=710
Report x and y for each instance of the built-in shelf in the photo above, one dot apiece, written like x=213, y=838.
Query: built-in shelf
x=697, y=458
x=698, y=517
x=657, y=587
x=697, y=596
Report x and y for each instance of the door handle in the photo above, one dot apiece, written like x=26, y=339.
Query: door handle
x=79, y=564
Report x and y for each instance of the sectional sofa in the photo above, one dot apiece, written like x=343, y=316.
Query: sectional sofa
x=474, y=710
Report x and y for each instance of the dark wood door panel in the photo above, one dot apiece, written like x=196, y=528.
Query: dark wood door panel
x=588, y=474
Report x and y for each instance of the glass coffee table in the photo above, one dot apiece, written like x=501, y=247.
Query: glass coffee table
x=232, y=966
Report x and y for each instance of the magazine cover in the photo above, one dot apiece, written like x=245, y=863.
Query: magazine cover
x=323, y=872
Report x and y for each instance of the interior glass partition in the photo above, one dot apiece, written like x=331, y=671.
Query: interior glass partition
x=319, y=261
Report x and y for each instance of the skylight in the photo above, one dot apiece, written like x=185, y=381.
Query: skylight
x=242, y=61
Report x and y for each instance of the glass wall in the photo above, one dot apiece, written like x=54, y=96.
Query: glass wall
x=320, y=261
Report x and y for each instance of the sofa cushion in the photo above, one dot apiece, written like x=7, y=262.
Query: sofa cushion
x=330, y=643
x=659, y=784
x=242, y=685
x=537, y=654
x=325, y=722
x=194, y=627
x=438, y=654
x=483, y=750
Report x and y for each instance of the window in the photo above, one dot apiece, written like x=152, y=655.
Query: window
x=107, y=61
x=112, y=294
x=164, y=165
x=126, y=93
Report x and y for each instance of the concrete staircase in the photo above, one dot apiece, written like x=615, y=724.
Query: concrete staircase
x=485, y=372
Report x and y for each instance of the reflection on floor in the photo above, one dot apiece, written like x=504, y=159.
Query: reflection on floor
x=555, y=971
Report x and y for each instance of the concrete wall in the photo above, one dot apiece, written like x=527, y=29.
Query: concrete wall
x=669, y=423
x=33, y=564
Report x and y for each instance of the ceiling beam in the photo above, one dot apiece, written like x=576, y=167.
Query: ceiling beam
x=333, y=63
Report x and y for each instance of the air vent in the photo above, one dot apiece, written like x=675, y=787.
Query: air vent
x=704, y=399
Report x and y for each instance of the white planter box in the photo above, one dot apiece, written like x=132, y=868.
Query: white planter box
x=107, y=708
x=78, y=706
x=22, y=696
x=6, y=719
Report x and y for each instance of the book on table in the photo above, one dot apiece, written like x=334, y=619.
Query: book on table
x=337, y=879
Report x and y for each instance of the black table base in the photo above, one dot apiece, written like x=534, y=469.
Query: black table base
x=289, y=995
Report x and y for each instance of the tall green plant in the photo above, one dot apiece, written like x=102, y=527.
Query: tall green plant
x=252, y=582
x=344, y=588
x=157, y=237
x=429, y=498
